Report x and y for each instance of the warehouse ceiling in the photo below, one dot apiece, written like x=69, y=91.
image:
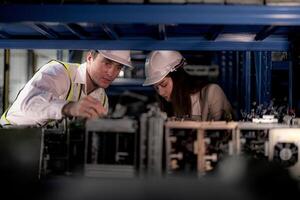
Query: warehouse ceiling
x=148, y=26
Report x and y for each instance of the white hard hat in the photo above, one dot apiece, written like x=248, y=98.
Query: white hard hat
x=122, y=57
x=160, y=63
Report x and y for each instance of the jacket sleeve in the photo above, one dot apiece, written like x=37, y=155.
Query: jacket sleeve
x=44, y=96
x=218, y=104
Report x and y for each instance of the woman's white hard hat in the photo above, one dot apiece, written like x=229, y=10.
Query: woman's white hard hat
x=159, y=64
x=122, y=56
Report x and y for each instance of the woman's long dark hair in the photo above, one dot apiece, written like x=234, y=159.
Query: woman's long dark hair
x=183, y=86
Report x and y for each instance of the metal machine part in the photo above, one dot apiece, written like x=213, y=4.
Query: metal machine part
x=155, y=146
x=253, y=138
x=284, y=146
x=196, y=147
x=55, y=157
x=110, y=148
x=63, y=148
x=151, y=142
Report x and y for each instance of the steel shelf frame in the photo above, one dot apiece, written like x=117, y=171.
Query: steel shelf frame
x=164, y=14
x=216, y=28
x=182, y=44
x=269, y=17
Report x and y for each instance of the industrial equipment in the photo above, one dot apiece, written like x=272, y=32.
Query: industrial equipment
x=196, y=147
x=152, y=142
x=110, y=148
x=284, y=148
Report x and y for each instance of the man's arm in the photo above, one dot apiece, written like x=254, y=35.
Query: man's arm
x=42, y=97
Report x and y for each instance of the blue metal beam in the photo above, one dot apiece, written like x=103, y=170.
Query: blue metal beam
x=4, y=35
x=265, y=32
x=247, y=80
x=291, y=84
x=214, y=32
x=77, y=30
x=158, y=14
x=162, y=35
x=266, y=76
x=44, y=30
x=263, y=67
x=110, y=32
x=151, y=44
x=258, y=76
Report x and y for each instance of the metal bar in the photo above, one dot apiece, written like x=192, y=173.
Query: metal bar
x=267, y=76
x=230, y=74
x=30, y=63
x=223, y=66
x=265, y=32
x=175, y=44
x=201, y=152
x=166, y=14
x=214, y=32
x=291, y=85
x=44, y=30
x=75, y=56
x=77, y=30
x=247, y=80
x=168, y=149
x=111, y=33
x=4, y=35
x=258, y=70
x=238, y=141
x=237, y=79
x=59, y=55
x=5, y=97
x=162, y=35
x=234, y=140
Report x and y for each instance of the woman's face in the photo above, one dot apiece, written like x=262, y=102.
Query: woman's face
x=164, y=88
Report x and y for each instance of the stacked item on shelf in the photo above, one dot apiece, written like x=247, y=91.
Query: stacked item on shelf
x=245, y=2
x=125, y=1
x=81, y=1
x=167, y=1
x=206, y=1
x=283, y=2
x=213, y=1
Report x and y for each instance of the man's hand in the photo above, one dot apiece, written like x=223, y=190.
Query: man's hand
x=87, y=107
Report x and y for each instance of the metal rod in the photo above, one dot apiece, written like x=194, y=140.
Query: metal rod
x=5, y=97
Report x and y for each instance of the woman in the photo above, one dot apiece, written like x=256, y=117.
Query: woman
x=181, y=94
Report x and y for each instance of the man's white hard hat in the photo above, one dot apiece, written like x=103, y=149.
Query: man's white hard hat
x=160, y=63
x=122, y=56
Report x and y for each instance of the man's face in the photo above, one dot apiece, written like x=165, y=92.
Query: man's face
x=102, y=70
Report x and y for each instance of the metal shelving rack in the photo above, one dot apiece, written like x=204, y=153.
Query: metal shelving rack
x=148, y=27
x=195, y=27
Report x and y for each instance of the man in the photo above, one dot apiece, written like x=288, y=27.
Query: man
x=61, y=89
